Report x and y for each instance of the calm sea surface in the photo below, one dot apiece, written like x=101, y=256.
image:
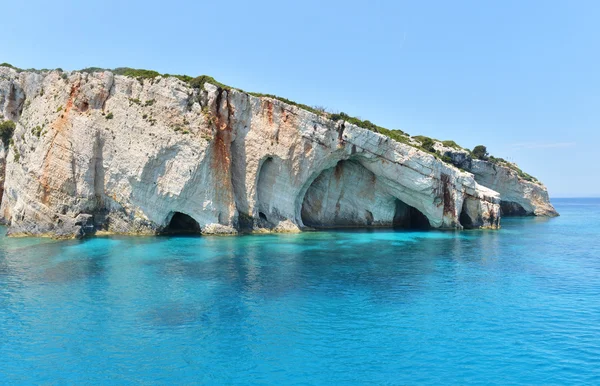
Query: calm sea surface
x=515, y=306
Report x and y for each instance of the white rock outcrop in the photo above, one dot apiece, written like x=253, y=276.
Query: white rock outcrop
x=102, y=152
x=519, y=196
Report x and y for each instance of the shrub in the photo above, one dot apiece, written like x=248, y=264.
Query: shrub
x=184, y=78
x=447, y=159
x=59, y=109
x=149, y=103
x=7, y=128
x=109, y=116
x=320, y=109
x=426, y=143
x=199, y=81
x=11, y=66
x=135, y=72
x=452, y=144
x=480, y=152
x=37, y=131
x=285, y=100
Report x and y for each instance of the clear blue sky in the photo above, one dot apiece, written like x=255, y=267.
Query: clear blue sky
x=522, y=77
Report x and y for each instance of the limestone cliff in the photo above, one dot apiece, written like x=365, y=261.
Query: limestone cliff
x=103, y=152
x=520, y=194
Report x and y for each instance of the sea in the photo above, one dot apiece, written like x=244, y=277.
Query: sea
x=517, y=306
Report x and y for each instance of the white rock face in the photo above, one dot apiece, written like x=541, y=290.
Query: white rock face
x=519, y=196
x=101, y=152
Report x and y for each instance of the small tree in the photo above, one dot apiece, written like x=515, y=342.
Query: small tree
x=7, y=128
x=480, y=152
x=427, y=144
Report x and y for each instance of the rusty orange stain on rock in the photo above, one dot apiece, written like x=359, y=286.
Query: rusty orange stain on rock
x=447, y=194
x=307, y=147
x=337, y=173
x=221, y=152
x=59, y=142
x=270, y=111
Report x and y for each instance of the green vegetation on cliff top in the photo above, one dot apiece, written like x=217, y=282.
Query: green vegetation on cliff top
x=426, y=143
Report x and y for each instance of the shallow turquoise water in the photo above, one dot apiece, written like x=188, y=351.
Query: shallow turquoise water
x=515, y=306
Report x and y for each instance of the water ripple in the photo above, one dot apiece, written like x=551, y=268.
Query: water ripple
x=517, y=306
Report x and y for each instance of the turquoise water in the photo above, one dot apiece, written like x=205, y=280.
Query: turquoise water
x=515, y=306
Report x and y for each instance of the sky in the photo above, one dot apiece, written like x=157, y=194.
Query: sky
x=521, y=77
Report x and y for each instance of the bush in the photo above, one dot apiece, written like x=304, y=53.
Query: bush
x=37, y=131
x=109, y=116
x=7, y=128
x=447, y=159
x=199, y=81
x=426, y=143
x=285, y=100
x=10, y=66
x=136, y=73
x=480, y=152
x=452, y=144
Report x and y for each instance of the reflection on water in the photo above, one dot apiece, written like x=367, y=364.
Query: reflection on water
x=381, y=306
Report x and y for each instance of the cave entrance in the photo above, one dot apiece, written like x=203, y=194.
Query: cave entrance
x=266, y=191
x=350, y=195
x=182, y=223
x=408, y=217
x=465, y=220
x=509, y=208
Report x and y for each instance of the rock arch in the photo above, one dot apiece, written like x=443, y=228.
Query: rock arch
x=350, y=195
x=266, y=183
x=478, y=213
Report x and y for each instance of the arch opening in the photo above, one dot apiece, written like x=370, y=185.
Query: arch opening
x=182, y=223
x=408, y=217
x=350, y=195
x=510, y=208
x=265, y=191
x=465, y=219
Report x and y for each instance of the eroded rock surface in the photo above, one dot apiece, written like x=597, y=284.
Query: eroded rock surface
x=102, y=152
x=519, y=196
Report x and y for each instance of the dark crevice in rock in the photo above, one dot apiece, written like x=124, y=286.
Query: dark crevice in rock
x=465, y=220
x=408, y=217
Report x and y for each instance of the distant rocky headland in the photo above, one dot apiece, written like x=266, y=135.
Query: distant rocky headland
x=135, y=152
